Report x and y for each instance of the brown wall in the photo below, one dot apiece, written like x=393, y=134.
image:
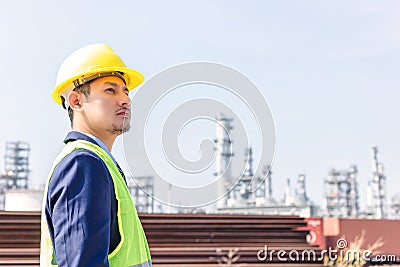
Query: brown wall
x=389, y=230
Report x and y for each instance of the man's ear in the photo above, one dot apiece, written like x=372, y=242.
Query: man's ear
x=75, y=100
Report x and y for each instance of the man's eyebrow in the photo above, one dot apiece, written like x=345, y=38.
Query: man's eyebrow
x=115, y=85
x=111, y=83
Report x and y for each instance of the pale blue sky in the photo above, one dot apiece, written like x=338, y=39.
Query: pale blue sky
x=329, y=70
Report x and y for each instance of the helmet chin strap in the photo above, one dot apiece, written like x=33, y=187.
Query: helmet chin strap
x=89, y=78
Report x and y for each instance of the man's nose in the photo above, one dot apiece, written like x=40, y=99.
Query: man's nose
x=125, y=100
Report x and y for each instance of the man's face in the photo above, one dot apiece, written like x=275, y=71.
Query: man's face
x=107, y=108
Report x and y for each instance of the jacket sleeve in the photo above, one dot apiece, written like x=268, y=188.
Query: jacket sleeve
x=79, y=204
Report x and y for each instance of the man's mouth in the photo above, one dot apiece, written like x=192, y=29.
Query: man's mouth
x=124, y=112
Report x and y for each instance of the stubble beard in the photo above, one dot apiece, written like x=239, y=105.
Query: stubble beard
x=120, y=129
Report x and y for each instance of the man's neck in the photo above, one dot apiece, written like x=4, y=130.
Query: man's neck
x=108, y=140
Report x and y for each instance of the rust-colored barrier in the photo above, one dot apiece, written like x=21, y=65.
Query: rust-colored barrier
x=190, y=240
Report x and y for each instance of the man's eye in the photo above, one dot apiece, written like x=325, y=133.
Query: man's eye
x=110, y=90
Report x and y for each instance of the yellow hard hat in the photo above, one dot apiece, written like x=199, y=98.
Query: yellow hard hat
x=85, y=63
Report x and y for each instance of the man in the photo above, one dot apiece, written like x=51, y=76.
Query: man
x=88, y=217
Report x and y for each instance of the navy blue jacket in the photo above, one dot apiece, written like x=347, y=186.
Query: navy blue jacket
x=81, y=209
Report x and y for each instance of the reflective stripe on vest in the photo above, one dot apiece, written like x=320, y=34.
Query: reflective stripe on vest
x=133, y=250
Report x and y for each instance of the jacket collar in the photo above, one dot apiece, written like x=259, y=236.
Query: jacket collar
x=75, y=135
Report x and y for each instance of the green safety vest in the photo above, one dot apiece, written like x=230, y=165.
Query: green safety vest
x=133, y=250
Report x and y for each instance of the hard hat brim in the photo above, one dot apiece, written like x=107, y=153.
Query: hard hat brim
x=132, y=78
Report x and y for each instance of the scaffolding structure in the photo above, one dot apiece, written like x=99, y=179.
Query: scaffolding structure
x=342, y=199
x=299, y=198
x=264, y=190
x=244, y=193
x=224, y=154
x=244, y=187
x=301, y=185
x=395, y=207
x=252, y=193
x=267, y=185
x=377, y=200
x=16, y=168
x=142, y=191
